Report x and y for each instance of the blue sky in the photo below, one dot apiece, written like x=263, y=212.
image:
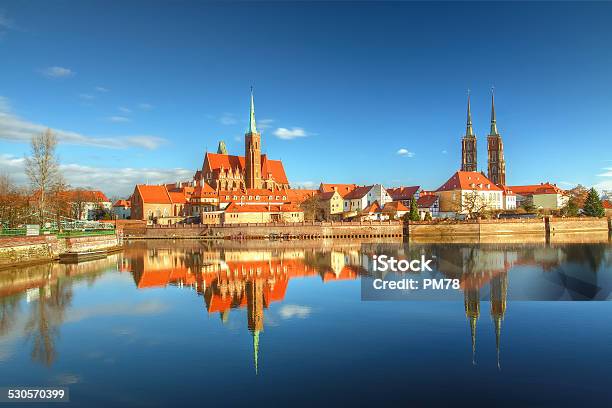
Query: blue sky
x=139, y=90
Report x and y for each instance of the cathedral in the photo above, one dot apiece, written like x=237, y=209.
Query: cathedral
x=496, y=169
x=223, y=171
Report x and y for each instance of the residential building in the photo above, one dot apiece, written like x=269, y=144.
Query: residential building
x=361, y=197
x=238, y=214
x=253, y=196
x=394, y=210
x=342, y=189
x=372, y=212
x=332, y=203
x=468, y=192
x=607, y=205
x=509, y=198
x=428, y=202
x=203, y=199
x=157, y=205
x=87, y=205
x=122, y=209
x=543, y=196
x=404, y=194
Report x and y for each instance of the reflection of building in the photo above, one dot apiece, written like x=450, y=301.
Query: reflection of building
x=472, y=312
x=499, y=288
x=235, y=279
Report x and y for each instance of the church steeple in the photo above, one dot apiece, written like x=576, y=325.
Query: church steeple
x=468, y=143
x=252, y=151
x=252, y=124
x=469, y=131
x=493, y=118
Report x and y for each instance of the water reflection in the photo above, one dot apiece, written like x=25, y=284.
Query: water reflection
x=254, y=275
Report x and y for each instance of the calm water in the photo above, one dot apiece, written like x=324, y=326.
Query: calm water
x=190, y=323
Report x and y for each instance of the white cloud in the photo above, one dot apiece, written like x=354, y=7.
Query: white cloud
x=606, y=182
x=405, y=153
x=113, y=181
x=264, y=124
x=5, y=23
x=303, y=184
x=101, y=89
x=16, y=129
x=288, y=134
x=228, y=119
x=444, y=152
x=124, y=109
x=118, y=119
x=290, y=311
x=145, y=106
x=57, y=72
x=87, y=97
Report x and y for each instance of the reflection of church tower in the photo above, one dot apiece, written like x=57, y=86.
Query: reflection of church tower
x=468, y=144
x=499, y=287
x=255, y=313
x=495, y=147
x=252, y=151
x=472, y=312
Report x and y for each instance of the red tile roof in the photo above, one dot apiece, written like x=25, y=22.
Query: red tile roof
x=298, y=196
x=327, y=195
x=122, y=203
x=153, y=194
x=358, y=192
x=343, y=189
x=372, y=208
x=274, y=168
x=426, y=201
x=542, y=188
x=203, y=190
x=468, y=180
x=177, y=197
x=395, y=206
x=607, y=204
x=402, y=193
x=85, y=196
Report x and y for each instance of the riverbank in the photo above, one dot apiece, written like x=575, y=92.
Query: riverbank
x=37, y=249
x=442, y=230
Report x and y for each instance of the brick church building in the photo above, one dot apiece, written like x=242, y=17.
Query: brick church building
x=254, y=170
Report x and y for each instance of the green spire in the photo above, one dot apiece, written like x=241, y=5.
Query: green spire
x=252, y=124
x=493, y=119
x=221, y=149
x=473, y=320
x=255, y=348
x=469, y=131
x=498, y=323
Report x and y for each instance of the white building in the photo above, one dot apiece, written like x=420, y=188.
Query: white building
x=469, y=192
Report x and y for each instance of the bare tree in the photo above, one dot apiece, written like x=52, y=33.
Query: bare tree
x=313, y=208
x=42, y=168
x=472, y=204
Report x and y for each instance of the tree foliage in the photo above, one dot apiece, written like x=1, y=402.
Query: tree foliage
x=593, y=207
x=414, y=210
x=313, y=208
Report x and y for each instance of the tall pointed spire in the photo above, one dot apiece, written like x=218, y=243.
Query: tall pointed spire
x=473, y=320
x=252, y=124
x=469, y=131
x=498, y=323
x=493, y=118
x=256, y=350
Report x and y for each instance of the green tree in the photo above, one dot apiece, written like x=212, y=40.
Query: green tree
x=414, y=210
x=428, y=216
x=593, y=207
x=571, y=208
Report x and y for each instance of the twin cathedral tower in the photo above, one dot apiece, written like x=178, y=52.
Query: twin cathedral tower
x=496, y=171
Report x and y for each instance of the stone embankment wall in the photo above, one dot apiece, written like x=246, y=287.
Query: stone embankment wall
x=306, y=230
x=22, y=250
x=437, y=230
